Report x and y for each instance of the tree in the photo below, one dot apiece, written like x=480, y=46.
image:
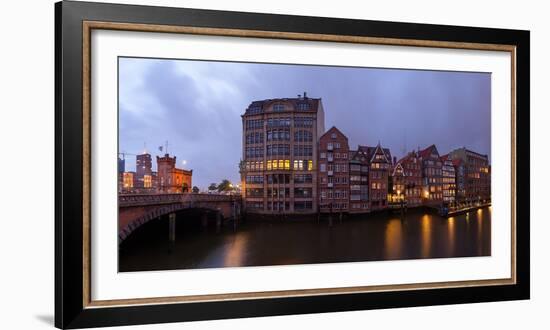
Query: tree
x=196, y=189
x=213, y=186
x=242, y=164
x=225, y=185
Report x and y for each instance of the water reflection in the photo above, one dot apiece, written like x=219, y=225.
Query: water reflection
x=426, y=224
x=393, y=239
x=451, y=235
x=376, y=237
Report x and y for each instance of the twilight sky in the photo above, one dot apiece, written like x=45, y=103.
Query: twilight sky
x=196, y=106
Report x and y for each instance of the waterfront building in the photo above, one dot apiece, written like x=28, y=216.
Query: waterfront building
x=460, y=180
x=397, y=182
x=477, y=174
x=379, y=170
x=280, y=154
x=412, y=170
x=448, y=180
x=358, y=182
x=172, y=179
x=144, y=167
x=432, y=191
x=333, y=172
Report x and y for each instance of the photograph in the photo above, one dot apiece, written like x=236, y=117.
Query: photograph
x=240, y=164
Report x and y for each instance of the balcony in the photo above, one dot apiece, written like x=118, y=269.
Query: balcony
x=330, y=173
x=330, y=159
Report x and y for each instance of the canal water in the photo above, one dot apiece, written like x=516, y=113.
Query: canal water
x=362, y=238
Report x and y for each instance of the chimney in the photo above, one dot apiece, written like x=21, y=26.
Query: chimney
x=305, y=95
x=394, y=160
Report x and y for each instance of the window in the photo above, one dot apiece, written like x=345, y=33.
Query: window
x=300, y=150
x=333, y=135
x=278, y=107
x=323, y=155
x=323, y=168
x=302, y=192
x=303, y=136
x=303, y=106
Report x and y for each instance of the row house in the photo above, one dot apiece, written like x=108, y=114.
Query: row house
x=334, y=184
x=432, y=171
x=379, y=170
x=412, y=175
x=448, y=177
x=397, y=184
x=359, y=182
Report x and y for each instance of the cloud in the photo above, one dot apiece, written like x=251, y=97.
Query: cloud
x=196, y=106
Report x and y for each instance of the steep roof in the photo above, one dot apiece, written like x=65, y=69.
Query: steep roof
x=333, y=129
x=426, y=153
x=407, y=157
x=371, y=151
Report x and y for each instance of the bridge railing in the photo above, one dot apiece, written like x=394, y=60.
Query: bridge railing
x=127, y=200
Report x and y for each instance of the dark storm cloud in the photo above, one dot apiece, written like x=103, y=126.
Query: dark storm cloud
x=196, y=106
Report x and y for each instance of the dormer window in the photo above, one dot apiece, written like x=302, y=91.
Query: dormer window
x=278, y=107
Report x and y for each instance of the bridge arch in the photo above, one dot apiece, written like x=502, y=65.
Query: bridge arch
x=137, y=210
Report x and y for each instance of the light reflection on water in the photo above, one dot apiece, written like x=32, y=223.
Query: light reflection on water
x=376, y=237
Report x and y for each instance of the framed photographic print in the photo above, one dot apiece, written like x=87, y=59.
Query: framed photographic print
x=214, y=164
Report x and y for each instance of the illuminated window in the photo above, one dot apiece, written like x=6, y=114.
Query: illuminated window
x=287, y=164
x=269, y=165
x=281, y=164
x=147, y=181
x=310, y=165
x=274, y=165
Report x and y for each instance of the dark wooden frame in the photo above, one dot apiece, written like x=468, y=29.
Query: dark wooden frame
x=72, y=304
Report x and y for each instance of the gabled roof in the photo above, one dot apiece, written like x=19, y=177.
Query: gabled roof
x=371, y=151
x=426, y=153
x=398, y=165
x=333, y=129
x=407, y=157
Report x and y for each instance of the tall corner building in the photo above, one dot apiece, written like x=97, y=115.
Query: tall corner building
x=280, y=153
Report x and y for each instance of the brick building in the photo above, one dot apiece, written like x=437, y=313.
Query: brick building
x=380, y=163
x=359, y=182
x=144, y=169
x=280, y=142
x=397, y=183
x=333, y=172
x=432, y=193
x=448, y=180
x=476, y=173
x=412, y=169
x=460, y=180
x=172, y=179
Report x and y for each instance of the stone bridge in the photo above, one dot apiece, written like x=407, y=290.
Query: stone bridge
x=138, y=209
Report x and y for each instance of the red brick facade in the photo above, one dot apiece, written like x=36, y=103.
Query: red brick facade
x=333, y=172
